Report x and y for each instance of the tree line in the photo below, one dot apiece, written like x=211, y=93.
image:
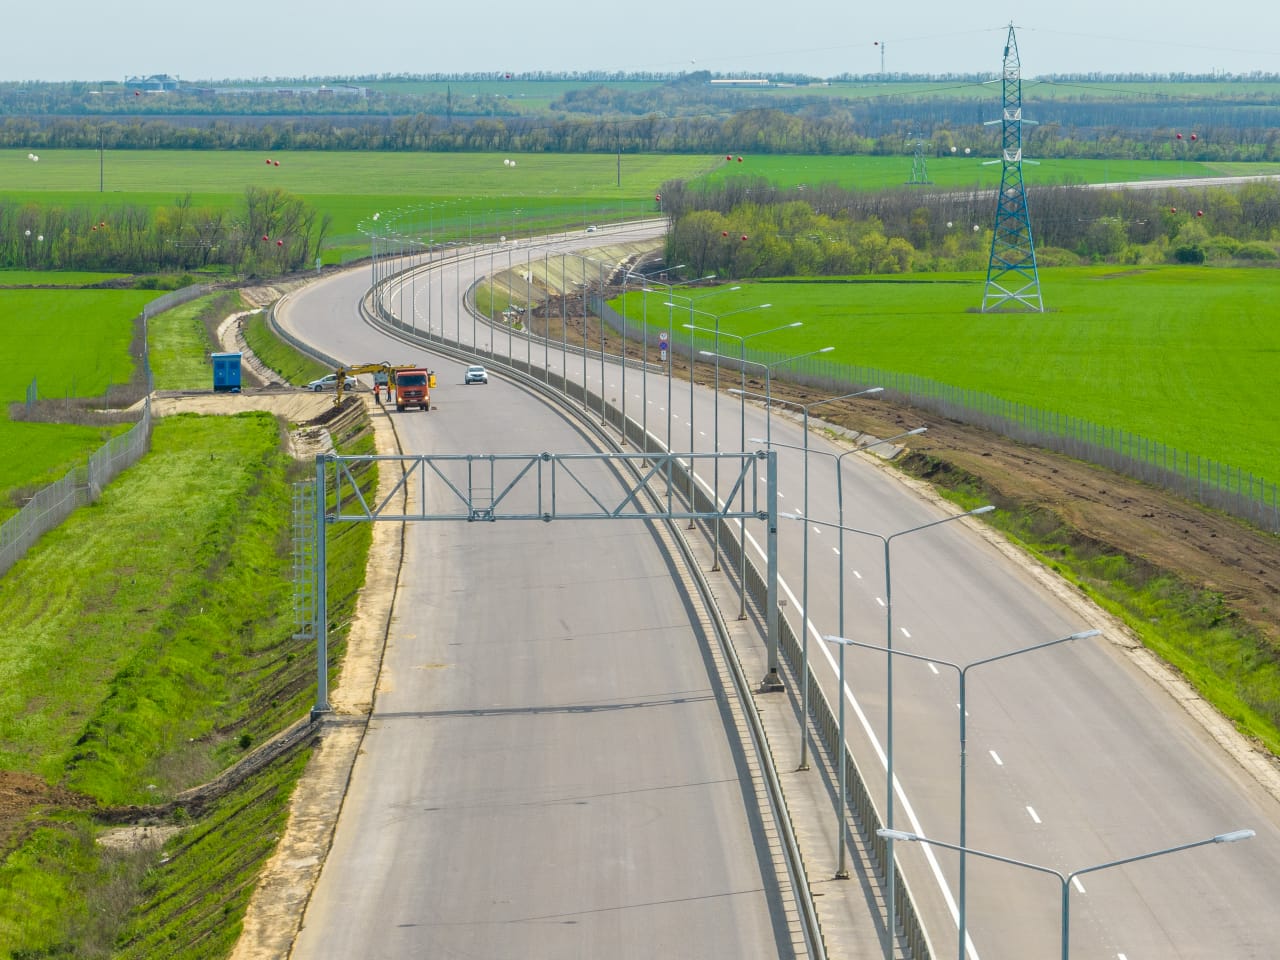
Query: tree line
x=684, y=113
x=747, y=227
x=766, y=131
x=740, y=227
x=269, y=233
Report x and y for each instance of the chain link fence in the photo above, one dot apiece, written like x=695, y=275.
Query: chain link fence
x=1220, y=486
x=82, y=485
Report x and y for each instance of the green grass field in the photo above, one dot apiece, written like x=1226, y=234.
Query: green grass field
x=72, y=343
x=1181, y=355
x=43, y=278
x=143, y=650
x=451, y=196
x=960, y=172
x=459, y=196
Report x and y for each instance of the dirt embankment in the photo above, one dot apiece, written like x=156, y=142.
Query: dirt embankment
x=1202, y=547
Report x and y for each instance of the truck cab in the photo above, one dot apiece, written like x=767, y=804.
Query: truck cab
x=413, y=387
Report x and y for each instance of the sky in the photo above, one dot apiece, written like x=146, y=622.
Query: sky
x=265, y=39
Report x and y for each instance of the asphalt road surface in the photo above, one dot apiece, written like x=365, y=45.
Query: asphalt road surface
x=1075, y=757
x=549, y=769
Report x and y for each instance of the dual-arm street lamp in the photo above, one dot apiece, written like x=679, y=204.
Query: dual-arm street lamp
x=804, y=580
x=887, y=540
x=644, y=350
x=715, y=399
x=768, y=383
x=742, y=422
x=804, y=647
x=646, y=290
x=586, y=289
x=670, y=323
x=1065, y=879
x=962, y=671
x=742, y=431
x=715, y=355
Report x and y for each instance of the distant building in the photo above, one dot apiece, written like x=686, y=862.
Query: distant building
x=156, y=83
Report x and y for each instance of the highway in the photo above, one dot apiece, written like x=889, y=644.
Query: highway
x=1075, y=756
x=551, y=767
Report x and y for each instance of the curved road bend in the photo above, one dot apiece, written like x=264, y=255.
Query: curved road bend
x=549, y=769
x=1075, y=756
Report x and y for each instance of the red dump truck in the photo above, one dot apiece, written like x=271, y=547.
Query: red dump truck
x=413, y=387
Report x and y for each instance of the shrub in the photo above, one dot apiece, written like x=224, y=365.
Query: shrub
x=1221, y=247
x=1056, y=257
x=1257, y=250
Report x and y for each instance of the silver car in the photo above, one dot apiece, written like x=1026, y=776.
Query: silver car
x=476, y=375
x=330, y=382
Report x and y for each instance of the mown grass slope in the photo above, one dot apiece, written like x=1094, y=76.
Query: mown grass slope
x=146, y=644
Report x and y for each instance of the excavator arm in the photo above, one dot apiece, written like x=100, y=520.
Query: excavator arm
x=355, y=370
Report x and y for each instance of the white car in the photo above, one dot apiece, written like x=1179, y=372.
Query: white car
x=330, y=382
x=476, y=374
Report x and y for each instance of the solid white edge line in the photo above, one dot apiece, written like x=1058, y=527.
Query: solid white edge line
x=898, y=790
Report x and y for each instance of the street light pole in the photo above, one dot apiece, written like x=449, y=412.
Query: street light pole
x=890, y=869
x=564, y=330
x=644, y=362
x=804, y=670
x=546, y=318
x=962, y=672
x=742, y=427
x=767, y=396
x=584, y=337
x=715, y=414
x=604, y=420
x=1065, y=879
x=804, y=579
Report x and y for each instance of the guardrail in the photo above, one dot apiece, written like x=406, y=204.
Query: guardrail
x=865, y=817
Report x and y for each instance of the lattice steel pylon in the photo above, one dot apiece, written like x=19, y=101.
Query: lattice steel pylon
x=919, y=165
x=1013, y=280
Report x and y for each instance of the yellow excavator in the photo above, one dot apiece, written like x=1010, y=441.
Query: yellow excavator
x=381, y=377
x=411, y=384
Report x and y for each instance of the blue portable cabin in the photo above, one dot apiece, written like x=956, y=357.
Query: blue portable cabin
x=226, y=372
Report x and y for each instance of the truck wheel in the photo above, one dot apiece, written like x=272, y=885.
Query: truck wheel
x=400, y=407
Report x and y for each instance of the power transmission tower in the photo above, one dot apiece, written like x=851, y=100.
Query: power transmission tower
x=919, y=166
x=1013, y=280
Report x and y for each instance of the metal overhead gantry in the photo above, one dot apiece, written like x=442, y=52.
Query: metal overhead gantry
x=542, y=486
